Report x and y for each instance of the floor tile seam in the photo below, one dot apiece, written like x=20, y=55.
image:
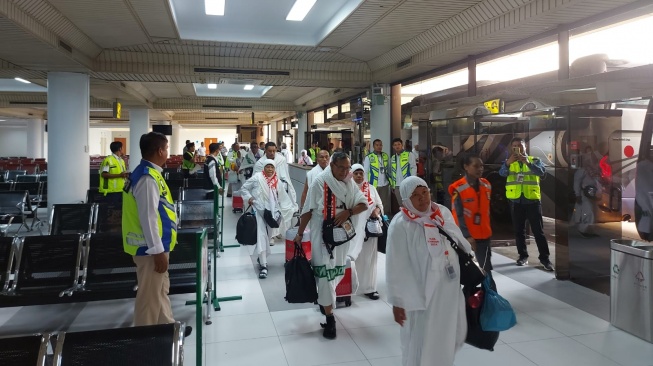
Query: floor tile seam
x=243, y=314
x=531, y=312
x=524, y=355
x=240, y=339
x=598, y=353
x=534, y=340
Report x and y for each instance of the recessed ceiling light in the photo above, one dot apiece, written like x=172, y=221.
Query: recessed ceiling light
x=212, y=86
x=214, y=7
x=249, y=87
x=23, y=80
x=300, y=9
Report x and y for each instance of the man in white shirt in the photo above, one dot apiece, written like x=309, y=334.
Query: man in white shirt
x=322, y=163
x=286, y=153
x=279, y=161
x=201, y=152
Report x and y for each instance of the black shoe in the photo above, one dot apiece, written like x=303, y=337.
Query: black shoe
x=522, y=261
x=187, y=331
x=548, y=266
x=373, y=295
x=329, y=327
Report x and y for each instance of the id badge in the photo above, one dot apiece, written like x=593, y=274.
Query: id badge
x=477, y=219
x=520, y=177
x=451, y=272
x=382, y=170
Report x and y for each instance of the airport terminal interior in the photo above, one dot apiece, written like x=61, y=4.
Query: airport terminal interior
x=572, y=78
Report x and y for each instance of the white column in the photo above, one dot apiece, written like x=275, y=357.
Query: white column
x=273, y=134
x=139, y=125
x=35, y=133
x=380, y=127
x=302, y=126
x=68, y=118
x=175, y=143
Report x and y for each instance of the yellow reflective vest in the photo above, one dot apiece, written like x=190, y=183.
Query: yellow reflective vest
x=528, y=184
x=404, y=162
x=116, y=166
x=132, y=232
x=375, y=167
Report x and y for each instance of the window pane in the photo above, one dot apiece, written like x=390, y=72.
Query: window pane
x=534, y=61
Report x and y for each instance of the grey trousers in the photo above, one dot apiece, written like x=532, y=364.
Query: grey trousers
x=384, y=193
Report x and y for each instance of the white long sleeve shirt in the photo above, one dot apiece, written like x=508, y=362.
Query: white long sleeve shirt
x=146, y=193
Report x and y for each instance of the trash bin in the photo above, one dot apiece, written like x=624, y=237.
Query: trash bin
x=631, y=290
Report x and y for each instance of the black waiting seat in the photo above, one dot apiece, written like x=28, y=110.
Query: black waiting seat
x=73, y=218
x=7, y=248
x=198, y=182
x=109, y=268
x=13, y=204
x=48, y=265
x=174, y=185
x=35, y=190
x=12, y=174
x=22, y=351
x=5, y=224
x=194, y=194
x=94, y=179
x=108, y=217
x=183, y=261
x=154, y=345
x=28, y=178
x=6, y=186
x=178, y=175
x=196, y=214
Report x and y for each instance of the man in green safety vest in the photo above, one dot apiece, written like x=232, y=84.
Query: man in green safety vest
x=149, y=231
x=312, y=152
x=113, y=173
x=402, y=166
x=523, y=174
x=376, y=171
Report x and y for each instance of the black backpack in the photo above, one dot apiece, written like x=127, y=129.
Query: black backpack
x=300, y=280
x=246, y=228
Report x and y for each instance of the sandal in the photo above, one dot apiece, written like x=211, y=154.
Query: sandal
x=263, y=273
x=373, y=295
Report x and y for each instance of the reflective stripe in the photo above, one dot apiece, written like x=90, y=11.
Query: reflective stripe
x=462, y=187
x=526, y=182
x=486, y=185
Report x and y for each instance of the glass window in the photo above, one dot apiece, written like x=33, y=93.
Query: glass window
x=442, y=82
x=621, y=45
x=533, y=61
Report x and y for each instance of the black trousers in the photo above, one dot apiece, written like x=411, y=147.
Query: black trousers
x=483, y=254
x=533, y=213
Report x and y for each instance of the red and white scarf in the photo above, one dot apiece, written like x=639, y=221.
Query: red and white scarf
x=365, y=188
x=436, y=246
x=272, y=181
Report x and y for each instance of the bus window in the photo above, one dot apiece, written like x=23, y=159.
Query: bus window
x=644, y=180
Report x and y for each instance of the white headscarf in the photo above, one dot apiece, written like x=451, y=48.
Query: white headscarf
x=407, y=188
x=303, y=153
x=356, y=167
x=267, y=161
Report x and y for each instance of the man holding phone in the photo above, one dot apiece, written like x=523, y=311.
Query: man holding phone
x=523, y=174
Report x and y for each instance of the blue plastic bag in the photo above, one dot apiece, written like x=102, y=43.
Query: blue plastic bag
x=496, y=314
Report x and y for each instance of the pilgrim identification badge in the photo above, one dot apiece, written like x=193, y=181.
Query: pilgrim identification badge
x=451, y=272
x=520, y=177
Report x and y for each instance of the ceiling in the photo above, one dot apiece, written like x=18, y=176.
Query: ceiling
x=137, y=54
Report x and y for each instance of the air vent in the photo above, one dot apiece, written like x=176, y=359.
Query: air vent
x=65, y=46
x=224, y=118
x=240, y=81
x=241, y=71
x=28, y=103
x=231, y=107
x=405, y=62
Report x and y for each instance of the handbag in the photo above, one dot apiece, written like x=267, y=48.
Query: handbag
x=476, y=335
x=471, y=274
x=271, y=220
x=300, y=280
x=246, y=228
x=373, y=228
x=496, y=314
x=232, y=177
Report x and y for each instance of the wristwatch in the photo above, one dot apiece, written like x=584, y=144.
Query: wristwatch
x=351, y=212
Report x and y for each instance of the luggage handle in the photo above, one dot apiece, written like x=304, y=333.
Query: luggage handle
x=299, y=251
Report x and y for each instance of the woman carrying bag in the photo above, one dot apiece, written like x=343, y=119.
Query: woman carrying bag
x=363, y=247
x=423, y=277
x=274, y=208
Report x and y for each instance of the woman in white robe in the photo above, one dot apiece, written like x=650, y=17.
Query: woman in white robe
x=329, y=268
x=265, y=191
x=364, y=252
x=304, y=159
x=427, y=302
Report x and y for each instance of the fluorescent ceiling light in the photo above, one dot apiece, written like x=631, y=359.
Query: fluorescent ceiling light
x=300, y=10
x=23, y=80
x=249, y=87
x=214, y=7
x=212, y=86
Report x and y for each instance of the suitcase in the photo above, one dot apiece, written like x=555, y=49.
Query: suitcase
x=237, y=202
x=344, y=289
x=290, y=244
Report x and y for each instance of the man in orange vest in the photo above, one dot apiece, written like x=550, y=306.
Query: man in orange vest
x=470, y=206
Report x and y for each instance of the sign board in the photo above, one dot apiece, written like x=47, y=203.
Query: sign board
x=494, y=106
x=117, y=110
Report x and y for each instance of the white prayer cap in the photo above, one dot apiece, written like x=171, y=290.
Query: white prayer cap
x=267, y=162
x=409, y=185
x=303, y=152
x=356, y=167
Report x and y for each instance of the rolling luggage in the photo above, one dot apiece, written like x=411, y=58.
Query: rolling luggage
x=237, y=202
x=345, y=289
x=290, y=244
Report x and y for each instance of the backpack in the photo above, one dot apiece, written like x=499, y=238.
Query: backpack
x=300, y=280
x=246, y=228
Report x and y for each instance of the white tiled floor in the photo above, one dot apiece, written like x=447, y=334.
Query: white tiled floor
x=549, y=331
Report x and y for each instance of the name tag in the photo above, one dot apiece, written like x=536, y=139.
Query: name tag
x=520, y=177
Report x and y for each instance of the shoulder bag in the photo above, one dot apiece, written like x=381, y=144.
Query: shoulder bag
x=471, y=274
x=332, y=234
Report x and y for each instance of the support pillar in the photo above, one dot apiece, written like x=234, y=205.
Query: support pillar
x=175, y=144
x=68, y=124
x=563, y=55
x=302, y=127
x=380, y=123
x=139, y=124
x=35, y=134
x=273, y=135
x=395, y=110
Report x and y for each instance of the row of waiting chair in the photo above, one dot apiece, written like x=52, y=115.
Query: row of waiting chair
x=155, y=345
x=22, y=176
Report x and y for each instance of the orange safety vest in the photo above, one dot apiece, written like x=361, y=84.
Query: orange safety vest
x=474, y=204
